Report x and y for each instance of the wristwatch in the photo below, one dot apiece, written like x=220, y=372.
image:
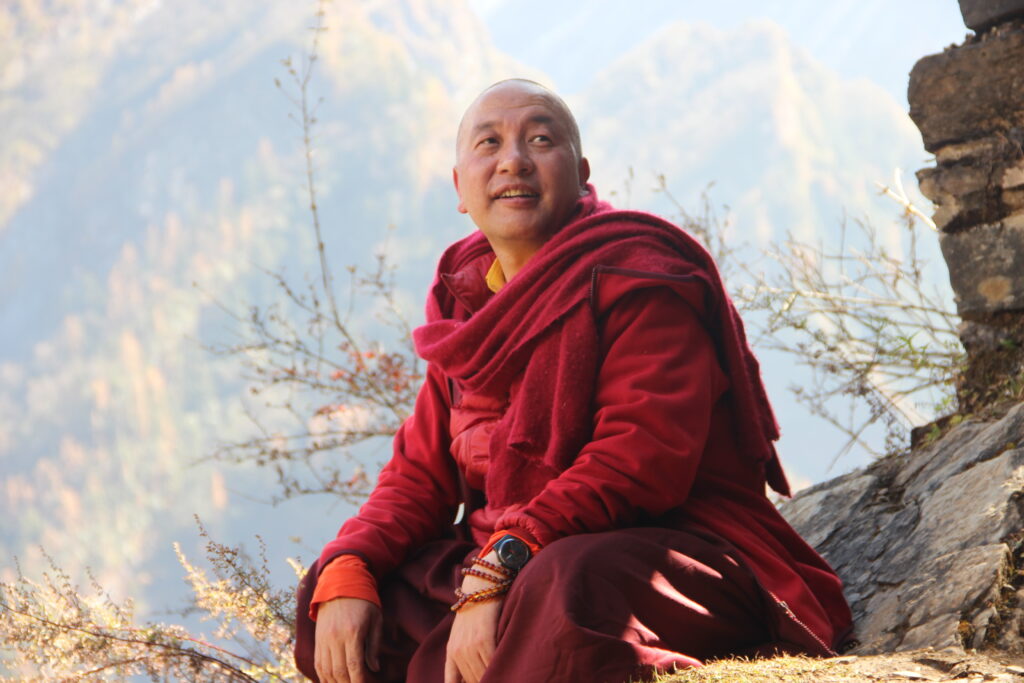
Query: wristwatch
x=512, y=552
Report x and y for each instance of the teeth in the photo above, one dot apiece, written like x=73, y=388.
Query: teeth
x=517, y=193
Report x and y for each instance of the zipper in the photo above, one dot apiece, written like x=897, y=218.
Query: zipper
x=802, y=625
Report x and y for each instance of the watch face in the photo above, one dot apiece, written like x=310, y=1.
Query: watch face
x=512, y=552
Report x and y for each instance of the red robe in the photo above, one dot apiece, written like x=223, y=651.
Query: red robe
x=614, y=389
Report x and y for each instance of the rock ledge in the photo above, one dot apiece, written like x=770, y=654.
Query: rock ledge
x=928, y=543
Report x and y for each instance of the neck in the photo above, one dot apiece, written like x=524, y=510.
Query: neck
x=514, y=257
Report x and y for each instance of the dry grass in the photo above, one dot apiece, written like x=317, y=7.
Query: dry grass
x=788, y=669
x=918, y=665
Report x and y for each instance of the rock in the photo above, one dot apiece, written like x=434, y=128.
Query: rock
x=971, y=150
x=969, y=92
x=968, y=193
x=984, y=267
x=980, y=15
x=849, y=489
x=960, y=579
x=968, y=103
x=922, y=541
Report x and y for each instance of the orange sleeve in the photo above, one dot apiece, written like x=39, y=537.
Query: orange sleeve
x=530, y=541
x=346, y=576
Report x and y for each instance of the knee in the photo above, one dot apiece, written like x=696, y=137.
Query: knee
x=579, y=579
x=578, y=558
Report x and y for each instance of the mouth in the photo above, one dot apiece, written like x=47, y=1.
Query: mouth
x=517, y=192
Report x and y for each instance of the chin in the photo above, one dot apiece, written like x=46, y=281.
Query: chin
x=531, y=235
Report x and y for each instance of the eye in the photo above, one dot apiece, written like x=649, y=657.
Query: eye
x=489, y=140
x=542, y=138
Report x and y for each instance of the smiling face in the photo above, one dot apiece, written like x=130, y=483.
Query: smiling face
x=518, y=172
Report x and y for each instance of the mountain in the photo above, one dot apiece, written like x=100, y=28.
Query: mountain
x=872, y=39
x=790, y=146
x=149, y=173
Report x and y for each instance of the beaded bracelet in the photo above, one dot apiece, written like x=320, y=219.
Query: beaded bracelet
x=480, y=595
x=469, y=571
x=497, y=568
x=500, y=588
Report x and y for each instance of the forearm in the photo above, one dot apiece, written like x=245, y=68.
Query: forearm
x=416, y=493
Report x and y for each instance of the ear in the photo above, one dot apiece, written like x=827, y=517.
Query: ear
x=455, y=179
x=584, y=171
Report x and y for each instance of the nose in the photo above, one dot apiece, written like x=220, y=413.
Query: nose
x=515, y=159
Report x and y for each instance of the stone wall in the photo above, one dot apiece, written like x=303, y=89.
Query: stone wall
x=968, y=103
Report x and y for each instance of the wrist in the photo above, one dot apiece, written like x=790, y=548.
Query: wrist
x=512, y=552
x=477, y=577
x=485, y=581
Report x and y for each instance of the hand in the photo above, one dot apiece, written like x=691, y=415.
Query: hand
x=348, y=632
x=474, y=632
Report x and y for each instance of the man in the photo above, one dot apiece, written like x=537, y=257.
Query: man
x=592, y=402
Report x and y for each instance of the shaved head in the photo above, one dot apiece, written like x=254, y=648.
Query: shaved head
x=556, y=103
x=519, y=171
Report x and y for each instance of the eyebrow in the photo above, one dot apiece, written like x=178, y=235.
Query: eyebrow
x=489, y=125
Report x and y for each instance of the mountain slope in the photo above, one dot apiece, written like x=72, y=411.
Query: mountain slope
x=789, y=145
x=181, y=167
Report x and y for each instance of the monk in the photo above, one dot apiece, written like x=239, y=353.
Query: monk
x=579, y=494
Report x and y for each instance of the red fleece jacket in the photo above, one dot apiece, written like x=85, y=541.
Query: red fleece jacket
x=605, y=347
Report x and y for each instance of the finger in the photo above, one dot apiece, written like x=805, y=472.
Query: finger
x=373, y=645
x=325, y=666
x=322, y=664
x=469, y=667
x=354, y=663
x=486, y=652
x=478, y=667
x=319, y=667
x=339, y=665
x=319, y=657
x=451, y=674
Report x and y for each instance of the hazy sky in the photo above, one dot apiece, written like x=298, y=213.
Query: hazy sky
x=875, y=39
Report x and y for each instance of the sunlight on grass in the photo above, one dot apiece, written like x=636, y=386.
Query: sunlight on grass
x=788, y=669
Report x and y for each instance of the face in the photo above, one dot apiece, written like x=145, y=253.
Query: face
x=517, y=173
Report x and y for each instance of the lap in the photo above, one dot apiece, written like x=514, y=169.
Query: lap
x=633, y=601
x=617, y=603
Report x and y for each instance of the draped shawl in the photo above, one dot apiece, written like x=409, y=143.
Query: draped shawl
x=535, y=342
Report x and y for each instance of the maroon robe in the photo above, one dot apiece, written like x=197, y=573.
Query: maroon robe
x=635, y=432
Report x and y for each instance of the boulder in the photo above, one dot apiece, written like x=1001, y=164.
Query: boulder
x=928, y=543
x=981, y=15
x=971, y=91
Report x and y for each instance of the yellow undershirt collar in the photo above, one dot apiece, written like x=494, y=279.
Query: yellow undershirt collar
x=495, y=277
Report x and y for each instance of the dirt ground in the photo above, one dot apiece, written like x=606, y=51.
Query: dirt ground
x=916, y=665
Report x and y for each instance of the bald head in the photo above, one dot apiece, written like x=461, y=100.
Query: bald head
x=518, y=170
x=527, y=87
